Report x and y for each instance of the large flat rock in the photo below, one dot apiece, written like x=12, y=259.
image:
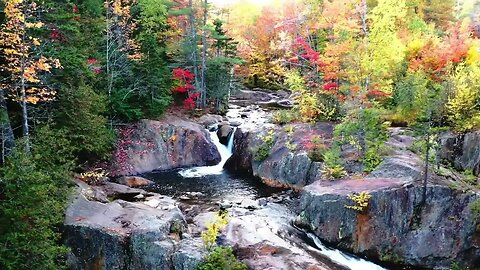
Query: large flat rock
x=143, y=234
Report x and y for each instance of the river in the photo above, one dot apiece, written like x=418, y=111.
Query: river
x=258, y=213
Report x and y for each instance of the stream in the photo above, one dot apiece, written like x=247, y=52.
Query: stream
x=258, y=213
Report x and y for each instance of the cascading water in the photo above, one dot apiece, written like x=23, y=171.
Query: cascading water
x=225, y=154
x=342, y=258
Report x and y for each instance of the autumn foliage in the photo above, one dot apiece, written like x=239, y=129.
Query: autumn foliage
x=183, y=85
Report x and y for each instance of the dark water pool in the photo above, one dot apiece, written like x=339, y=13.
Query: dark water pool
x=224, y=186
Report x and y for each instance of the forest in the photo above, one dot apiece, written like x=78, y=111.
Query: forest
x=76, y=75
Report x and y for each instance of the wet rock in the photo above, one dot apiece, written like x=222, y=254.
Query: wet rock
x=225, y=205
x=235, y=123
x=261, y=243
x=224, y=133
x=139, y=197
x=110, y=191
x=395, y=228
x=262, y=202
x=209, y=120
x=184, y=198
x=252, y=96
x=134, y=181
x=462, y=151
x=163, y=145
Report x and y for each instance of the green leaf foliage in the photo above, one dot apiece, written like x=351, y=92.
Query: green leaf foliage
x=33, y=194
x=221, y=258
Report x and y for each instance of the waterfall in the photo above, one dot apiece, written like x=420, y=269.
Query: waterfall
x=339, y=257
x=225, y=154
x=230, y=141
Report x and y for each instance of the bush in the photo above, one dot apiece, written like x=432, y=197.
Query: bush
x=371, y=160
x=263, y=151
x=316, y=148
x=328, y=107
x=409, y=97
x=221, y=258
x=209, y=236
x=333, y=163
x=33, y=195
x=463, y=107
x=475, y=210
x=364, y=130
x=360, y=201
x=470, y=178
x=282, y=117
x=306, y=102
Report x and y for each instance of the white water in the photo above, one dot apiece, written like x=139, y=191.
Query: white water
x=339, y=257
x=225, y=154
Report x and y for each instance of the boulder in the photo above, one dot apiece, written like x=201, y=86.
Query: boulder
x=462, y=151
x=189, y=254
x=134, y=181
x=396, y=227
x=145, y=234
x=263, y=245
x=121, y=234
x=209, y=120
x=235, y=123
x=282, y=167
x=163, y=145
x=224, y=133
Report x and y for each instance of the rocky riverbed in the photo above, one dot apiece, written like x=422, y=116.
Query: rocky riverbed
x=281, y=209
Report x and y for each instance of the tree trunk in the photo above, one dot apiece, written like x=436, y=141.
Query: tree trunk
x=8, y=140
x=427, y=154
x=193, y=44
x=23, y=100
x=203, y=94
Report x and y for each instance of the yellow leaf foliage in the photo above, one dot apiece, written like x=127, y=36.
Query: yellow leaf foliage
x=360, y=200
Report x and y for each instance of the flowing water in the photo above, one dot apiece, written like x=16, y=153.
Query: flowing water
x=214, y=185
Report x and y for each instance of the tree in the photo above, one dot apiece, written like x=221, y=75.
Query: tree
x=24, y=64
x=385, y=49
x=35, y=190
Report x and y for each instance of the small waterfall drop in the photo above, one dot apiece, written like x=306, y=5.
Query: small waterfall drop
x=225, y=153
x=353, y=263
x=230, y=142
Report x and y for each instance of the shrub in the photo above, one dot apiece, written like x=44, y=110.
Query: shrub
x=290, y=146
x=409, y=97
x=328, y=107
x=364, y=130
x=316, y=148
x=360, y=200
x=463, y=107
x=209, y=236
x=333, y=163
x=263, y=151
x=371, y=160
x=470, y=178
x=282, y=117
x=306, y=102
x=475, y=210
x=221, y=258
